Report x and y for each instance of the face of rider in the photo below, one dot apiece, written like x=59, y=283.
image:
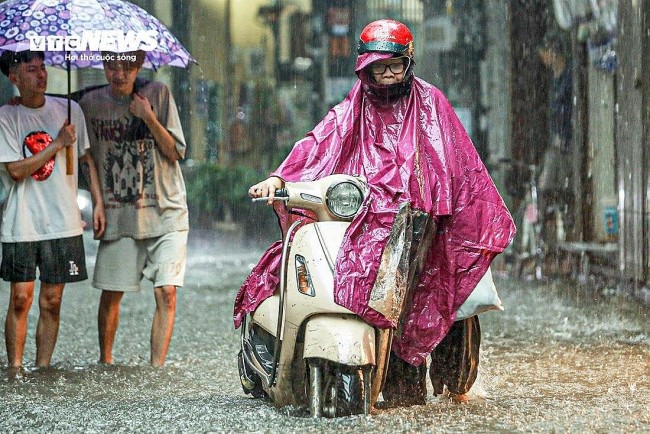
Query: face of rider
x=389, y=71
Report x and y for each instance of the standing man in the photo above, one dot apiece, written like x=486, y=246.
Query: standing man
x=554, y=179
x=137, y=141
x=41, y=224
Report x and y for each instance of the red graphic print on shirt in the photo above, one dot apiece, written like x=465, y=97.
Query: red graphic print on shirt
x=36, y=141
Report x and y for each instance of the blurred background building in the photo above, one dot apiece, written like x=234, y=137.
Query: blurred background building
x=268, y=70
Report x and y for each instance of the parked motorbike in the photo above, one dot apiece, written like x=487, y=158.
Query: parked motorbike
x=299, y=347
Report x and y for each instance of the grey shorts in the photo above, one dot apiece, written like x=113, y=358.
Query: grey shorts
x=121, y=264
x=60, y=260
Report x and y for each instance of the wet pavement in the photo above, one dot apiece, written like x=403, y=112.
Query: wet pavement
x=560, y=358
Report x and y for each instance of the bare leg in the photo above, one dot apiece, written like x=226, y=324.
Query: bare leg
x=108, y=318
x=47, y=330
x=163, y=323
x=20, y=301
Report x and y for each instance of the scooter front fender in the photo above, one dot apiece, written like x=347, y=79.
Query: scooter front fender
x=343, y=339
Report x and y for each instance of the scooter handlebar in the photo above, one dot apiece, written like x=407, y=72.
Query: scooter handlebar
x=280, y=194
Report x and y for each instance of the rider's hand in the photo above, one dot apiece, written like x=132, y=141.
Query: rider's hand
x=266, y=188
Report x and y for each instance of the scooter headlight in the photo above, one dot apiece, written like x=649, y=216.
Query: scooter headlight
x=344, y=199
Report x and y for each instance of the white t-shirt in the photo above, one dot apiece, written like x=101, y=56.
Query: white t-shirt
x=40, y=210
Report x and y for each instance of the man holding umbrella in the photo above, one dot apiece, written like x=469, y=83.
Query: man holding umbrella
x=41, y=226
x=137, y=141
x=138, y=170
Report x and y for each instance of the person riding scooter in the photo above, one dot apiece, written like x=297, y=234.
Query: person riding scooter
x=404, y=137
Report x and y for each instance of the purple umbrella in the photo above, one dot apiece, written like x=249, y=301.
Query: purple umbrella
x=74, y=33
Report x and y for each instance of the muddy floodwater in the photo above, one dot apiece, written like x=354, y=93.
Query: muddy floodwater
x=560, y=358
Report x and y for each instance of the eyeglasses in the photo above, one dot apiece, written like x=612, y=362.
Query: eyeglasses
x=395, y=68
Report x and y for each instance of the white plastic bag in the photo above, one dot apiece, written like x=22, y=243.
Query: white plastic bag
x=483, y=298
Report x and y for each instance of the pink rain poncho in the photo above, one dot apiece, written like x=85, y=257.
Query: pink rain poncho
x=411, y=147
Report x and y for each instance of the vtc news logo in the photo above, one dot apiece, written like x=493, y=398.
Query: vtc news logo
x=97, y=40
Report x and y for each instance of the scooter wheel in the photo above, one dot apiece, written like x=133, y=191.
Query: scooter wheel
x=343, y=391
x=350, y=393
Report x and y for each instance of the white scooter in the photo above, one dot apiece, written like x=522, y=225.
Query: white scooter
x=327, y=358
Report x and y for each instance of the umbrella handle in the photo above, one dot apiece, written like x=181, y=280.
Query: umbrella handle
x=69, y=160
x=69, y=152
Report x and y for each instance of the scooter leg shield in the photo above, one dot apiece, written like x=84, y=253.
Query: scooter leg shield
x=340, y=339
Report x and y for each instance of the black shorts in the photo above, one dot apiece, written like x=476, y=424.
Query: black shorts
x=60, y=260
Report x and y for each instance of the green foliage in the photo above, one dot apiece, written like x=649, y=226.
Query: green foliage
x=214, y=192
x=221, y=194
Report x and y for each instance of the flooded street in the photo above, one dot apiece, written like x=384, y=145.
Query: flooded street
x=558, y=359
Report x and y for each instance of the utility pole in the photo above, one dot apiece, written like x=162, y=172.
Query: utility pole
x=181, y=77
x=224, y=155
x=270, y=15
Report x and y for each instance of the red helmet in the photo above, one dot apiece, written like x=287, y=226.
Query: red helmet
x=388, y=36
